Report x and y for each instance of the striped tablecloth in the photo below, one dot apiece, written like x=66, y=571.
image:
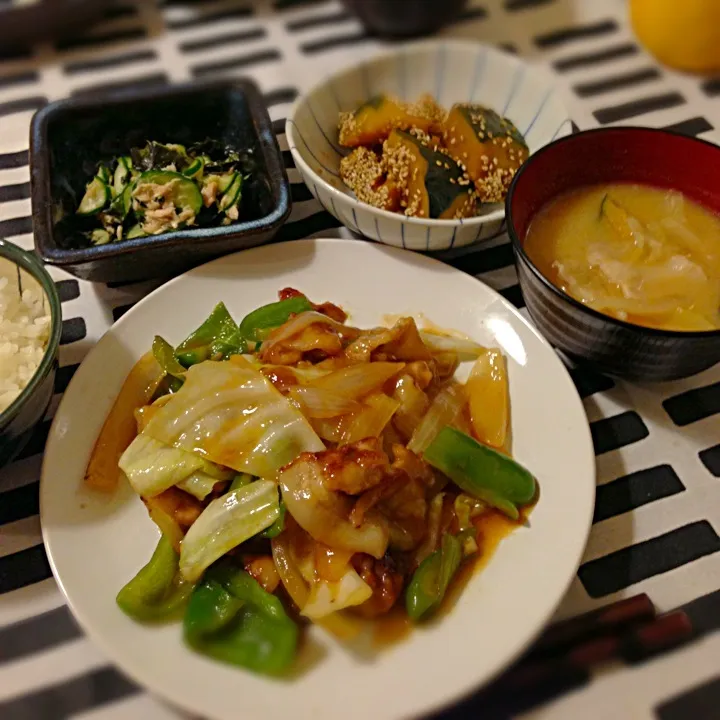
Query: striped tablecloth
x=658, y=504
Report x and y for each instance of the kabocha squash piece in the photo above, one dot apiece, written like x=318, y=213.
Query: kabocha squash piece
x=489, y=146
x=425, y=115
x=363, y=172
x=433, y=185
x=372, y=122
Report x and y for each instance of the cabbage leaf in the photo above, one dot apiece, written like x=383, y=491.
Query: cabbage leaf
x=231, y=414
x=226, y=523
x=152, y=467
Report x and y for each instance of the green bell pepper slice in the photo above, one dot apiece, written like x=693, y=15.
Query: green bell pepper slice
x=430, y=581
x=211, y=608
x=232, y=619
x=259, y=322
x=217, y=338
x=481, y=471
x=165, y=355
x=157, y=593
x=166, y=386
x=278, y=526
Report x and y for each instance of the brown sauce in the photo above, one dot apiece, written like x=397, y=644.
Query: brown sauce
x=492, y=528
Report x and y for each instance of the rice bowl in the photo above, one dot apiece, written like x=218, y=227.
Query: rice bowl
x=30, y=328
x=24, y=330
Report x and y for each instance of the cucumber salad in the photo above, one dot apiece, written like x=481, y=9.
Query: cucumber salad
x=161, y=188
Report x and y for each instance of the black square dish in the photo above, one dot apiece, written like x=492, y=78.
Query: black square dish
x=70, y=137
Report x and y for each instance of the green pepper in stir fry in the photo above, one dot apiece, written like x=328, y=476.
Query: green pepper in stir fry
x=232, y=619
x=216, y=339
x=211, y=608
x=481, y=471
x=278, y=526
x=430, y=581
x=259, y=322
x=165, y=355
x=157, y=593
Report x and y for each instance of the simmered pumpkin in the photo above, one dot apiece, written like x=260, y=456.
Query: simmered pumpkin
x=489, y=146
x=372, y=122
x=418, y=159
x=364, y=173
x=433, y=185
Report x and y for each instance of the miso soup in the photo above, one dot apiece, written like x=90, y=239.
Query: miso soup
x=645, y=255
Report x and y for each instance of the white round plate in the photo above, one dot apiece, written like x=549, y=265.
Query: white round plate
x=96, y=545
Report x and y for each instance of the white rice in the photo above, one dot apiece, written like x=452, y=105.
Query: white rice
x=24, y=330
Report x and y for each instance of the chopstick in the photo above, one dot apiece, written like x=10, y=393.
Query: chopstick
x=564, y=655
x=601, y=622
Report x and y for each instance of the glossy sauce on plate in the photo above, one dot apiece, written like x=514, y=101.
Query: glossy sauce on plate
x=491, y=528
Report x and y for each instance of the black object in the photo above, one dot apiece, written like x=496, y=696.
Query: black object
x=404, y=18
x=70, y=137
x=565, y=654
x=46, y=20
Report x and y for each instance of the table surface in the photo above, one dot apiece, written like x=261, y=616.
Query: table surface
x=658, y=504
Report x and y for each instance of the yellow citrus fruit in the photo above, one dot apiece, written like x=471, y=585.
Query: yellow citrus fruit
x=684, y=34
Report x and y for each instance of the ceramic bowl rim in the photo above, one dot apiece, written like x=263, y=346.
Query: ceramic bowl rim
x=53, y=254
x=517, y=244
x=29, y=262
x=493, y=216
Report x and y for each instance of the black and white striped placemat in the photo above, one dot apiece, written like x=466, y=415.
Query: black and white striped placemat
x=657, y=519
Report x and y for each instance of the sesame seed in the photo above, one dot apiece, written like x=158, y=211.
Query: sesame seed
x=383, y=177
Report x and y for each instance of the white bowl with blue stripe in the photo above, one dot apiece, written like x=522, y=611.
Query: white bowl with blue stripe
x=453, y=71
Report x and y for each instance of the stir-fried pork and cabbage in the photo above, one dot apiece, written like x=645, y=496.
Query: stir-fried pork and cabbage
x=302, y=469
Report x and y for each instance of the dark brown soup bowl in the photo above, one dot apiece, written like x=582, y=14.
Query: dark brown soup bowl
x=405, y=18
x=626, y=155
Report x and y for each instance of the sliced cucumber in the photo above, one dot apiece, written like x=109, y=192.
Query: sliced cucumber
x=185, y=193
x=97, y=195
x=225, y=181
x=135, y=231
x=232, y=195
x=103, y=173
x=122, y=175
x=100, y=237
x=194, y=168
x=122, y=203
